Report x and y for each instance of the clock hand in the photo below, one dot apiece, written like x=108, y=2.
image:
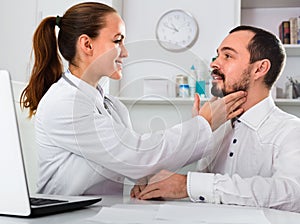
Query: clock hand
x=175, y=28
x=172, y=27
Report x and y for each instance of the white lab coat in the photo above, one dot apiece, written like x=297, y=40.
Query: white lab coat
x=85, y=150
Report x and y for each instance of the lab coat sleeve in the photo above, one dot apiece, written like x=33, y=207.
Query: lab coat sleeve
x=280, y=191
x=97, y=138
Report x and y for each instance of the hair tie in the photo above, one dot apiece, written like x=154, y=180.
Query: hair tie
x=58, y=21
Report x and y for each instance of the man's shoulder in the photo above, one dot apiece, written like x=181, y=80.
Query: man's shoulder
x=280, y=121
x=277, y=127
x=284, y=116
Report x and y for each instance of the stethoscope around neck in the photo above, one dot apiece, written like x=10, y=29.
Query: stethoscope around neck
x=106, y=100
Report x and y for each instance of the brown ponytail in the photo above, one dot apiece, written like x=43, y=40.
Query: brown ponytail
x=84, y=18
x=47, y=68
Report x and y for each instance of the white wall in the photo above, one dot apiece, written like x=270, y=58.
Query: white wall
x=18, y=20
x=148, y=59
x=141, y=17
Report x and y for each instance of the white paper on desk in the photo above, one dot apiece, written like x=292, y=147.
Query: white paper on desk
x=124, y=216
x=144, y=207
x=211, y=214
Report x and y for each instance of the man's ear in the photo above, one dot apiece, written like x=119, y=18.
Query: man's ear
x=262, y=67
x=85, y=44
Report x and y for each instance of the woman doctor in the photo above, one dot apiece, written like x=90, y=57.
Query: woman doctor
x=85, y=139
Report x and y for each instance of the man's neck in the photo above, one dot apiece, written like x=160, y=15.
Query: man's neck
x=254, y=96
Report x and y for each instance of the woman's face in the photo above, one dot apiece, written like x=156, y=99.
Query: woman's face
x=109, y=50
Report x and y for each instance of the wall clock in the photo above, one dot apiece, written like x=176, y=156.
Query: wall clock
x=177, y=30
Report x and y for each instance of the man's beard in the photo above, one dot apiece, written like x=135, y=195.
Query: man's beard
x=243, y=84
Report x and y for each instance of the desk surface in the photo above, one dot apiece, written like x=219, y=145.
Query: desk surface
x=81, y=216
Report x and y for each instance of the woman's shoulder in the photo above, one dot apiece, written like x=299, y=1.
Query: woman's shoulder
x=56, y=98
x=58, y=91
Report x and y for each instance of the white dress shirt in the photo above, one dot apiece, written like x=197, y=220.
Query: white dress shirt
x=84, y=149
x=256, y=163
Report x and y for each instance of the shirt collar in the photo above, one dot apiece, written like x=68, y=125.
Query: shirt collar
x=257, y=114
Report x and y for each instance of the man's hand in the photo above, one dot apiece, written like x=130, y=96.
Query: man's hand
x=138, y=187
x=165, y=184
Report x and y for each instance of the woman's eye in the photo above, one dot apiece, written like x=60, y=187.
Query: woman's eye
x=118, y=41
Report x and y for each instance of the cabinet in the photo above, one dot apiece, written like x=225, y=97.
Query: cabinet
x=269, y=14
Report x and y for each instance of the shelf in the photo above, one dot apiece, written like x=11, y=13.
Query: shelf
x=292, y=49
x=249, y=4
x=159, y=100
x=189, y=101
x=287, y=102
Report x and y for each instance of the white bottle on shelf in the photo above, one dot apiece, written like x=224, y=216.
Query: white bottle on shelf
x=192, y=81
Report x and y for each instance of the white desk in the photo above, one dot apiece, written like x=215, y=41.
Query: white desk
x=81, y=216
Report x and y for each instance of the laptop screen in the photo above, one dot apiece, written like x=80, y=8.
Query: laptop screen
x=14, y=195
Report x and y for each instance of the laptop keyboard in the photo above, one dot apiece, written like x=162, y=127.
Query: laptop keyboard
x=44, y=201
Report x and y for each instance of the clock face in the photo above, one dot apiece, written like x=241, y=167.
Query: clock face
x=176, y=30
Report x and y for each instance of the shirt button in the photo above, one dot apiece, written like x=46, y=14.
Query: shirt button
x=201, y=198
x=234, y=141
x=231, y=154
x=238, y=121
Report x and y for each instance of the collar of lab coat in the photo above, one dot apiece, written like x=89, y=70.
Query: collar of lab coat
x=256, y=115
x=86, y=88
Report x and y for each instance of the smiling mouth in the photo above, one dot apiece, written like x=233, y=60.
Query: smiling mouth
x=217, y=75
x=118, y=62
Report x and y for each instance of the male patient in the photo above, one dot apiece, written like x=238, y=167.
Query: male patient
x=254, y=159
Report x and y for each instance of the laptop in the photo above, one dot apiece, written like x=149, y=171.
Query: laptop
x=15, y=199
